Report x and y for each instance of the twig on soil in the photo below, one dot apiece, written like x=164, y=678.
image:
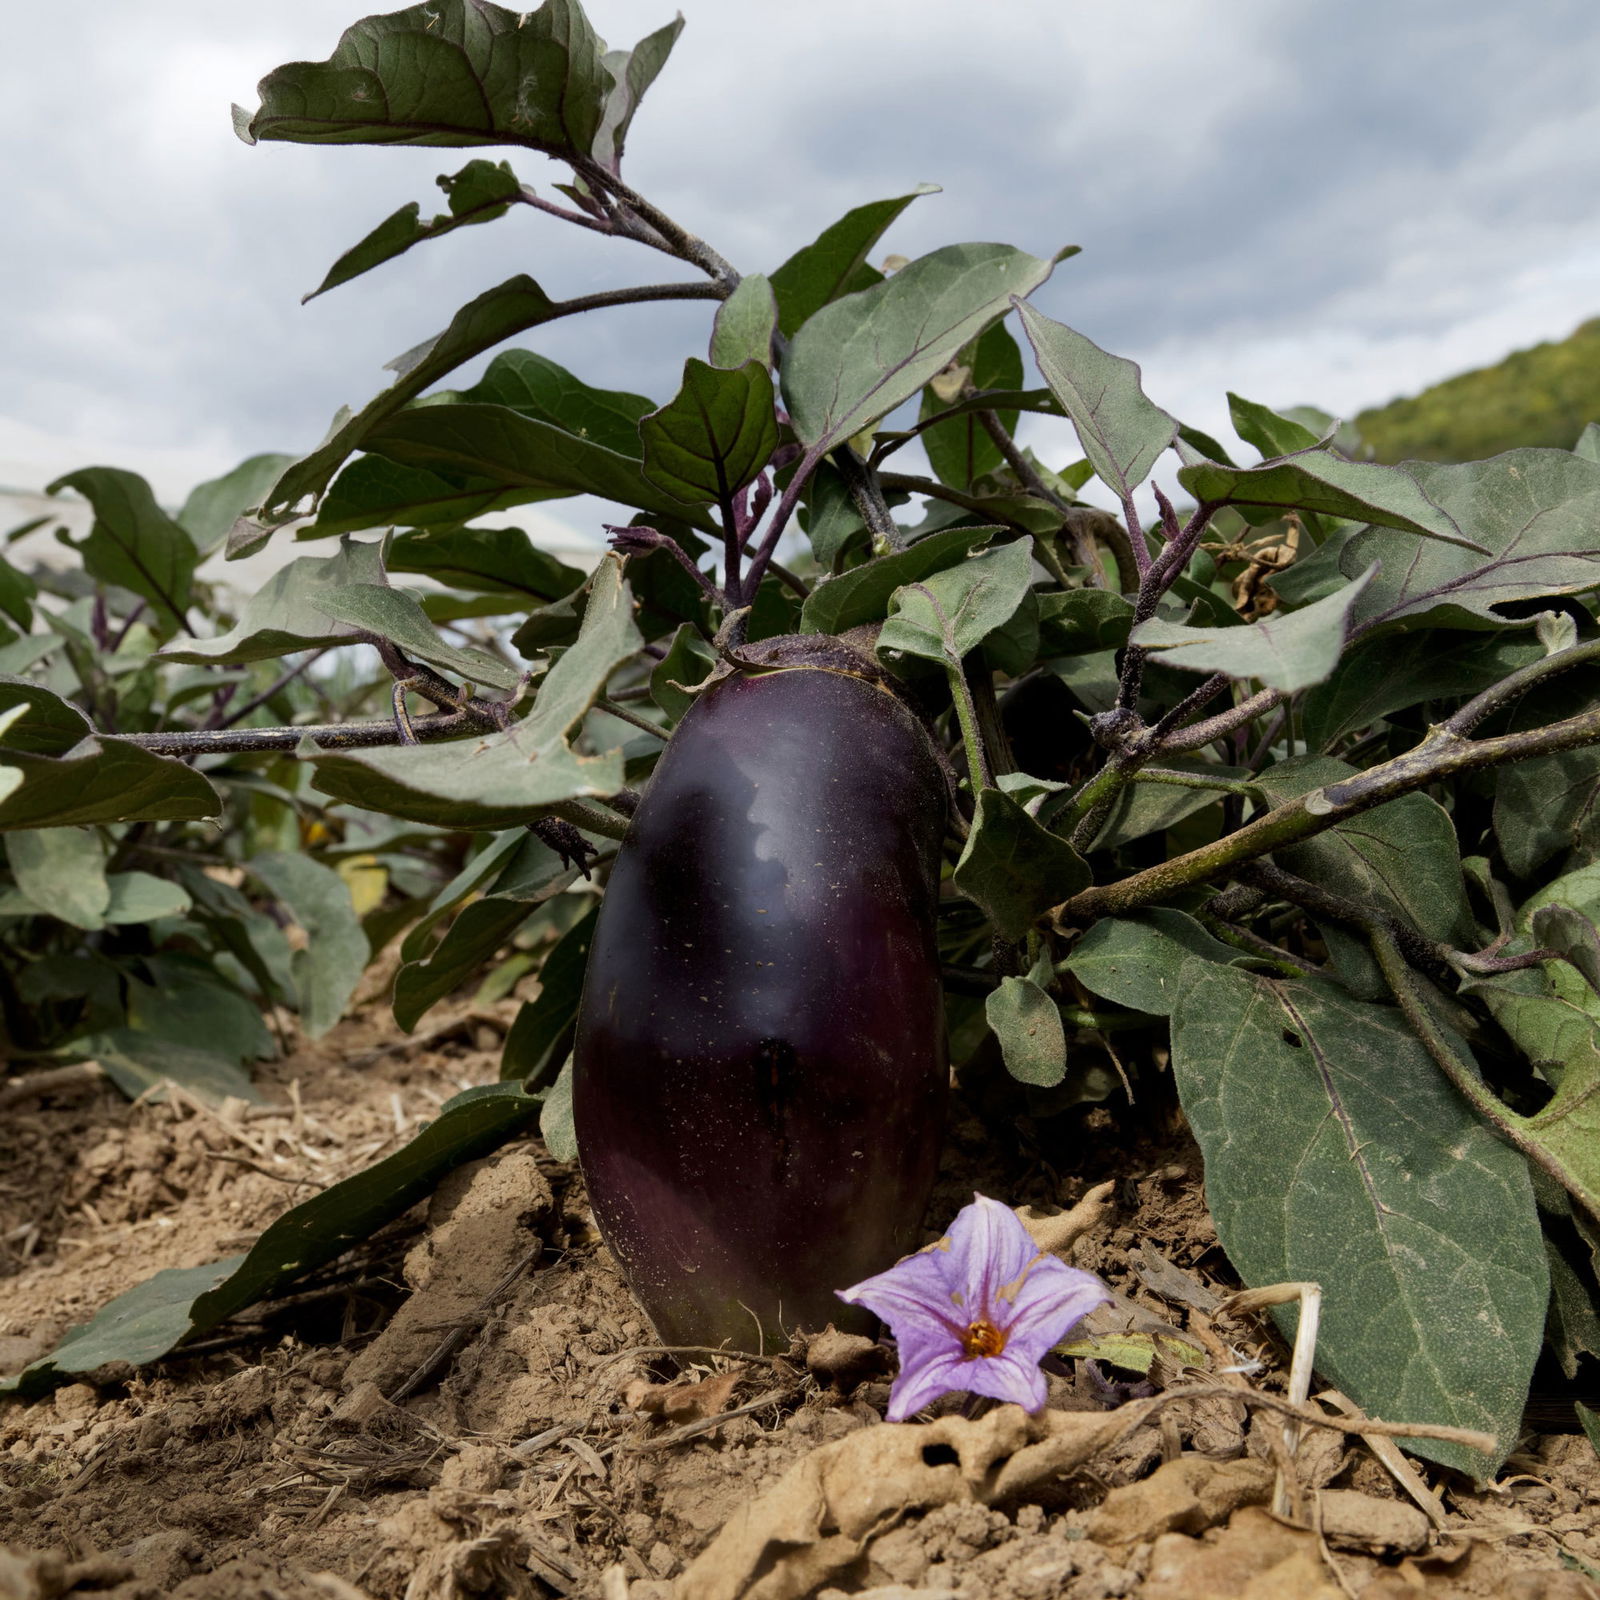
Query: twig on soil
x=691, y=1429
x=80, y=1075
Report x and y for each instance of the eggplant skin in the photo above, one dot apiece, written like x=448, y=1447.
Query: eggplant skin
x=759, y=1077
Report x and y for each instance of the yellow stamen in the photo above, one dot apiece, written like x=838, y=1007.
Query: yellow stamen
x=982, y=1338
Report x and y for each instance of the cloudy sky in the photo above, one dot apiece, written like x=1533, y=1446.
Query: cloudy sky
x=1298, y=202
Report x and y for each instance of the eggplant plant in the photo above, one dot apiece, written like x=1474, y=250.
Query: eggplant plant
x=1260, y=761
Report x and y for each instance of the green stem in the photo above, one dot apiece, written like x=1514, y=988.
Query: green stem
x=1195, y=780
x=608, y=824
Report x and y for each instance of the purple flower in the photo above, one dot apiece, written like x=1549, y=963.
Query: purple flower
x=977, y=1311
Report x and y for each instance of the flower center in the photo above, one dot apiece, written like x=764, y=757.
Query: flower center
x=982, y=1338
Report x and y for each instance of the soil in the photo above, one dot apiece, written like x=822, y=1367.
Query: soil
x=472, y=1404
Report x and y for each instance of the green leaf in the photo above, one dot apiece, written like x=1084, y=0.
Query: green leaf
x=1013, y=868
x=449, y=73
x=1285, y=650
x=1533, y=513
x=480, y=192
x=687, y=661
x=17, y=593
x=944, y=616
x=556, y=1125
x=1574, y=935
x=746, y=324
x=835, y=262
x=857, y=359
x=1336, y=1152
x=540, y=388
x=1121, y=430
x=512, y=307
x=863, y=593
x=380, y=612
x=1326, y=483
x=145, y=1323
x=142, y=897
x=327, y=971
x=1589, y=1420
x=497, y=561
x=139, y=1063
x=1395, y=670
x=714, y=435
x=541, y=1036
x=1134, y=960
x=133, y=542
x=373, y=493
x=63, y=872
x=1573, y=1328
x=1074, y=620
x=632, y=72
x=532, y=876
x=1027, y=1023
x=1551, y=804
x=286, y=614
x=496, y=446
x=959, y=448
x=500, y=779
x=1272, y=433
x=102, y=780
x=1588, y=446
x=215, y=505
x=831, y=519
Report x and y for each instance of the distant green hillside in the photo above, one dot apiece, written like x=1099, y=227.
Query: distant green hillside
x=1542, y=396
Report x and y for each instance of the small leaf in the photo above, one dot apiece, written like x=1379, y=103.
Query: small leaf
x=1134, y=960
x=952, y=612
x=1285, y=650
x=1337, y=1153
x=714, y=435
x=538, y=387
x=384, y=613
x=1561, y=928
x=857, y=359
x=632, y=72
x=141, y=897
x=450, y=73
x=133, y=542
x=1533, y=514
x=139, y=1063
x=1143, y=808
x=959, y=448
x=63, y=872
x=480, y=192
x=1013, y=868
x=1272, y=433
x=746, y=323
x=214, y=506
x=835, y=263
x=1074, y=620
x=687, y=661
x=145, y=1323
x=862, y=594
x=1027, y=1023
x=327, y=971
x=556, y=1125
x=1121, y=430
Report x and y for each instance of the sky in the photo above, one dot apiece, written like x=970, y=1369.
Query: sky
x=1300, y=203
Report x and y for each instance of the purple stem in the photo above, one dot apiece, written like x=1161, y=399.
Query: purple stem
x=780, y=520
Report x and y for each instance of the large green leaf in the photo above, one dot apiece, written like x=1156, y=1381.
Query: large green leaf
x=380, y=612
x=942, y=617
x=1122, y=431
x=480, y=192
x=512, y=307
x=286, y=613
x=499, y=779
x=1135, y=960
x=1272, y=433
x=714, y=435
x=1285, y=650
x=328, y=969
x=1335, y=1152
x=62, y=871
x=1013, y=868
x=374, y=493
x=134, y=543
x=862, y=594
x=1144, y=807
x=149, y=1321
x=102, y=780
x=857, y=359
x=499, y=561
x=1534, y=513
x=959, y=448
x=1551, y=804
x=835, y=262
x=541, y=1037
x=632, y=73
x=1325, y=482
x=497, y=446
x=446, y=73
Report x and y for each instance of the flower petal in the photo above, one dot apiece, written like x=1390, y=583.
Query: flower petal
x=1052, y=1298
x=1005, y=1377
x=989, y=1249
x=921, y=1383
x=917, y=1289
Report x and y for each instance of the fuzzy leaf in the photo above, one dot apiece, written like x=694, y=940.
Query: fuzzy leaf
x=1027, y=1023
x=943, y=617
x=746, y=324
x=1336, y=1152
x=62, y=871
x=1135, y=960
x=498, y=561
x=1122, y=431
x=1272, y=433
x=1013, y=868
x=102, y=780
x=632, y=72
x=214, y=506
x=328, y=969
x=857, y=359
x=959, y=448
x=714, y=435
x=863, y=593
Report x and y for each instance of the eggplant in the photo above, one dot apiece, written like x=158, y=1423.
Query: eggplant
x=759, y=1075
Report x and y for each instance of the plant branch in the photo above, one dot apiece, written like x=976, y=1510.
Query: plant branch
x=939, y=491
x=1510, y=688
x=677, y=240
x=530, y=197
x=608, y=824
x=762, y=559
x=866, y=491
x=1441, y=754
x=1199, y=734
x=326, y=736
x=623, y=714
x=277, y=688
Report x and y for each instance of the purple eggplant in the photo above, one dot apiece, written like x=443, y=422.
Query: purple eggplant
x=759, y=1078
